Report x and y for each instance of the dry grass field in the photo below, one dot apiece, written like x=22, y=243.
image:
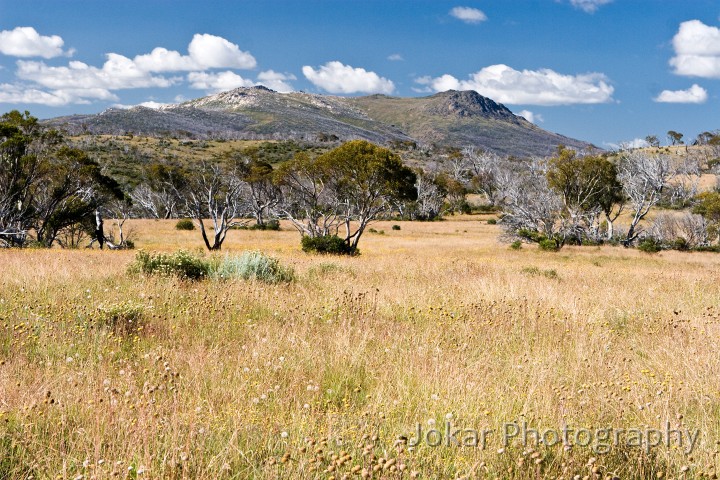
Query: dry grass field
x=603, y=350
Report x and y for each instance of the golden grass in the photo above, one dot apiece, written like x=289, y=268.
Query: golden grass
x=322, y=377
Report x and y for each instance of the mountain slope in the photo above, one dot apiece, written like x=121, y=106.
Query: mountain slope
x=447, y=119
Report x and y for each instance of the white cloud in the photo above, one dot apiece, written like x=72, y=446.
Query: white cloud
x=149, y=104
x=27, y=42
x=697, y=50
x=276, y=81
x=528, y=87
x=205, y=52
x=530, y=116
x=78, y=82
x=218, y=82
x=395, y=57
x=468, y=14
x=19, y=94
x=223, y=81
x=628, y=144
x=589, y=6
x=118, y=72
x=164, y=60
x=694, y=94
x=210, y=51
x=334, y=77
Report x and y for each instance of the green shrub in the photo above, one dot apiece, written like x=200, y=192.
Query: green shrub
x=649, y=245
x=536, y=272
x=549, y=245
x=680, y=244
x=396, y=227
x=516, y=245
x=272, y=224
x=254, y=266
x=492, y=221
x=180, y=264
x=330, y=244
x=122, y=318
x=184, y=224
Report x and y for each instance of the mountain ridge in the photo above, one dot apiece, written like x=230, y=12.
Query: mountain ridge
x=447, y=119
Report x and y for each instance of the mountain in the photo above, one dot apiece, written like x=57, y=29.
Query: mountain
x=447, y=119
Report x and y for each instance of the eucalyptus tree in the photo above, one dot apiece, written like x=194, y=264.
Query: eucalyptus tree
x=643, y=177
x=350, y=186
x=215, y=193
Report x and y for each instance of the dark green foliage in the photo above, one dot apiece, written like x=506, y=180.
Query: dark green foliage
x=181, y=264
x=550, y=244
x=650, y=245
x=45, y=185
x=327, y=244
x=184, y=224
x=396, y=227
x=272, y=224
x=492, y=221
x=516, y=245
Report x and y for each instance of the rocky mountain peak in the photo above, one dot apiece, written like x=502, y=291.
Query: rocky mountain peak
x=468, y=103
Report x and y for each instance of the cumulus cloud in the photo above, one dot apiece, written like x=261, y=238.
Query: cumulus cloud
x=20, y=94
x=530, y=116
x=118, y=72
x=210, y=51
x=697, y=50
x=468, y=14
x=149, y=104
x=276, y=81
x=218, y=82
x=204, y=52
x=528, y=87
x=27, y=42
x=694, y=94
x=395, y=57
x=78, y=82
x=334, y=77
x=589, y=6
x=628, y=144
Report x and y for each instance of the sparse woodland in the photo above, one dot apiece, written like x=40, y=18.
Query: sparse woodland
x=218, y=349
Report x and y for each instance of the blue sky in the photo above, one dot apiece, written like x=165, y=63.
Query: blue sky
x=606, y=71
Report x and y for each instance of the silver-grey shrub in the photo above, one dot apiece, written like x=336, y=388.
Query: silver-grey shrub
x=253, y=266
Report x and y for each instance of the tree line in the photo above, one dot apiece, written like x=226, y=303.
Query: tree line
x=52, y=193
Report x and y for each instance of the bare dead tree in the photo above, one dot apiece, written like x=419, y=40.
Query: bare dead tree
x=691, y=229
x=307, y=199
x=481, y=168
x=216, y=194
x=686, y=173
x=643, y=177
x=430, y=196
x=528, y=203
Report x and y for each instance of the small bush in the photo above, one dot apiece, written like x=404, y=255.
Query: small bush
x=180, y=264
x=492, y=221
x=122, y=318
x=707, y=248
x=536, y=272
x=396, y=227
x=184, y=224
x=273, y=224
x=254, y=266
x=516, y=245
x=549, y=245
x=330, y=244
x=680, y=244
x=649, y=245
